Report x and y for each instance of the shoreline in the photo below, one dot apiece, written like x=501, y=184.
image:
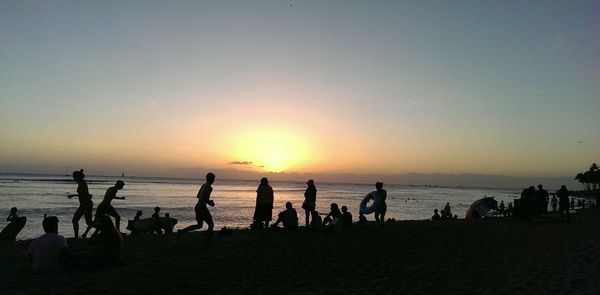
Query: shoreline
x=493, y=255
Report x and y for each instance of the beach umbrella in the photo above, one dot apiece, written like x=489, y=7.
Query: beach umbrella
x=481, y=207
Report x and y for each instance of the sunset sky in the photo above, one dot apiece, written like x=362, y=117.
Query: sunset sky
x=384, y=87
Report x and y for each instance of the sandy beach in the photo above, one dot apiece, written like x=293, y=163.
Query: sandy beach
x=487, y=256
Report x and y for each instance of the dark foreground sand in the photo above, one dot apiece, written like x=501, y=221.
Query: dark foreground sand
x=456, y=257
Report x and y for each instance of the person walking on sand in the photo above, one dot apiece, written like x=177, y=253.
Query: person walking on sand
x=264, y=203
x=563, y=202
x=554, y=203
x=380, y=213
x=541, y=199
x=85, y=203
x=105, y=208
x=310, y=200
x=202, y=213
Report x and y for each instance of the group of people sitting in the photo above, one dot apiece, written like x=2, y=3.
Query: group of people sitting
x=333, y=220
x=445, y=213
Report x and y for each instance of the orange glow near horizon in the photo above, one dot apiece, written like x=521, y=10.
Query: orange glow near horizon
x=273, y=150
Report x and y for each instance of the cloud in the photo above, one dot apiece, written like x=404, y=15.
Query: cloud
x=240, y=163
x=561, y=45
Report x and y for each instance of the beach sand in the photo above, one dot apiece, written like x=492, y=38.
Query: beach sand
x=487, y=256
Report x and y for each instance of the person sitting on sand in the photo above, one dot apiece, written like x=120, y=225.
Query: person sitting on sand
x=105, y=208
x=563, y=202
x=106, y=244
x=334, y=217
x=310, y=200
x=435, y=216
x=202, y=213
x=168, y=228
x=346, y=217
x=137, y=215
x=289, y=218
x=317, y=222
x=49, y=252
x=10, y=232
x=362, y=219
x=86, y=205
x=263, y=211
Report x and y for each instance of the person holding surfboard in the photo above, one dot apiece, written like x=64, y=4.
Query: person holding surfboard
x=10, y=232
x=202, y=213
x=85, y=203
x=380, y=212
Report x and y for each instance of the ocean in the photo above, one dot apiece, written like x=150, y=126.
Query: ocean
x=35, y=195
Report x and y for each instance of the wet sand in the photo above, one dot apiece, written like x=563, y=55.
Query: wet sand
x=417, y=257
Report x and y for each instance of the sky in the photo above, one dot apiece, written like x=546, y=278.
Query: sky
x=363, y=87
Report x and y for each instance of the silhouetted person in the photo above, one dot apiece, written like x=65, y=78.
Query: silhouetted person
x=563, y=202
x=11, y=230
x=448, y=210
x=380, y=212
x=573, y=203
x=106, y=244
x=316, y=222
x=156, y=220
x=264, y=203
x=554, y=203
x=541, y=199
x=346, y=217
x=362, y=219
x=168, y=229
x=85, y=203
x=310, y=200
x=49, y=252
x=527, y=206
x=509, y=209
x=202, y=213
x=289, y=217
x=105, y=208
x=502, y=208
x=137, y=215
x=333, y=218
x=436, y=215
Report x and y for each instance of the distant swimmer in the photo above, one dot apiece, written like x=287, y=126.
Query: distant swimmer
x=202, y=213
x=85, y=203
x=105, y=208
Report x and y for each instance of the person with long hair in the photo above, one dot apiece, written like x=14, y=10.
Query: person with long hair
x=85, y=203
x=263, y=212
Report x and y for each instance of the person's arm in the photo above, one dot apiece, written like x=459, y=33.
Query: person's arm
x=120, y=198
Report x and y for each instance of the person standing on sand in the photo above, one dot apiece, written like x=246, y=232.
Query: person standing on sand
x=263, y=211
x=563, y=202
x=380, y=213
x=310, y=200
x=202, y=213
x=554, y=203
x=105, y=208
x=542, y=200
x=85, y=203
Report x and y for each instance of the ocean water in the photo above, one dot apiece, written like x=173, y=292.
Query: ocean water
x=36, y=195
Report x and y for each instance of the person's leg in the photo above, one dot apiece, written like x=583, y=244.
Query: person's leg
x=209, y=222
x=88, y=220
x=307, y=216
x=112, y=212
x=75, y=220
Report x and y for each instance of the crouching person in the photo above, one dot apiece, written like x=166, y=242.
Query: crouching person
x=49, y=252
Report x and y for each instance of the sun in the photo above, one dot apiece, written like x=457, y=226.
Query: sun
x=272, y=150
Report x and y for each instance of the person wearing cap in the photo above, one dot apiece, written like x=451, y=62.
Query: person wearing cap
x=380, y=213
x=49, y=252
x=310, y=200
x=105, y=208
